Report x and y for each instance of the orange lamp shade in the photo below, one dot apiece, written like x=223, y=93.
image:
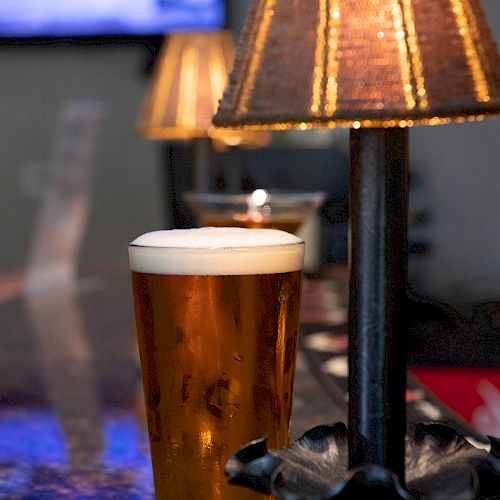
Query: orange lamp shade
x=362, y=63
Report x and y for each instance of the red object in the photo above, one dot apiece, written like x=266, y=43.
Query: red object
x=473, y=393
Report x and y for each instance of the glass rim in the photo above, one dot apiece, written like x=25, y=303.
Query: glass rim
x=219, y=248
x=273, y=195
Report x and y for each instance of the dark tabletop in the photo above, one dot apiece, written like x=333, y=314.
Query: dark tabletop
x=72, y=419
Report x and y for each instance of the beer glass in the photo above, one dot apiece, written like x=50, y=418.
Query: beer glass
x=217, y=315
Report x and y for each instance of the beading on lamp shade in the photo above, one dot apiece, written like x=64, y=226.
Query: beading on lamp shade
x=186, y=87
x=362, y=63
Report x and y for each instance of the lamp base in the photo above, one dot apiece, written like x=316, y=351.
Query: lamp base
x=439, y=463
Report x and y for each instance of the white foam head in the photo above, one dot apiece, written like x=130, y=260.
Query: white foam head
x=216, y=251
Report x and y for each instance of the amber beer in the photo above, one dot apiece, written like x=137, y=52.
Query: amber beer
x=289, y=225
x=217, y=313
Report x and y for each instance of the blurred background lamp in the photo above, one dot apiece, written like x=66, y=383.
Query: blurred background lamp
x=185, y=90
x=187, y=84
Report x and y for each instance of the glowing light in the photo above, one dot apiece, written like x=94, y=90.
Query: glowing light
x=232, y=140
x=319, y=55
x=206, y=441
x=259, y=197
x=256, y=54
x=332, y=65
x=468, y=31
x=217, y=73
x=164, y=82
x=186, y=108
x=403, y=55
x=328, y=17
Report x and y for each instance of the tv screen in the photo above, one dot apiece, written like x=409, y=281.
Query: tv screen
x=48, y=18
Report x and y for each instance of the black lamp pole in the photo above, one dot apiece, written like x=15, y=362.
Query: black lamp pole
x=377, y=326
x=442, y=463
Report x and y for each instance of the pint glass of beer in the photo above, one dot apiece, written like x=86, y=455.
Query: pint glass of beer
x=217, y=314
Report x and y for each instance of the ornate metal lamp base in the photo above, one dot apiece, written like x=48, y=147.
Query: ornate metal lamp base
x=440, y=464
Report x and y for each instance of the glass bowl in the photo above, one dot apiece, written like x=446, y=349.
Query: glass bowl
x=268, y=209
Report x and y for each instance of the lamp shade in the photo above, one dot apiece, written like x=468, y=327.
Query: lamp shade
x=186, y=87
x=362, y=63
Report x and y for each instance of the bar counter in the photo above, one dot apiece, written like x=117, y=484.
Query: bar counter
x=72, y=420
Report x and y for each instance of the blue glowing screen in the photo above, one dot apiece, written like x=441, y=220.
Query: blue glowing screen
x=32, y=18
